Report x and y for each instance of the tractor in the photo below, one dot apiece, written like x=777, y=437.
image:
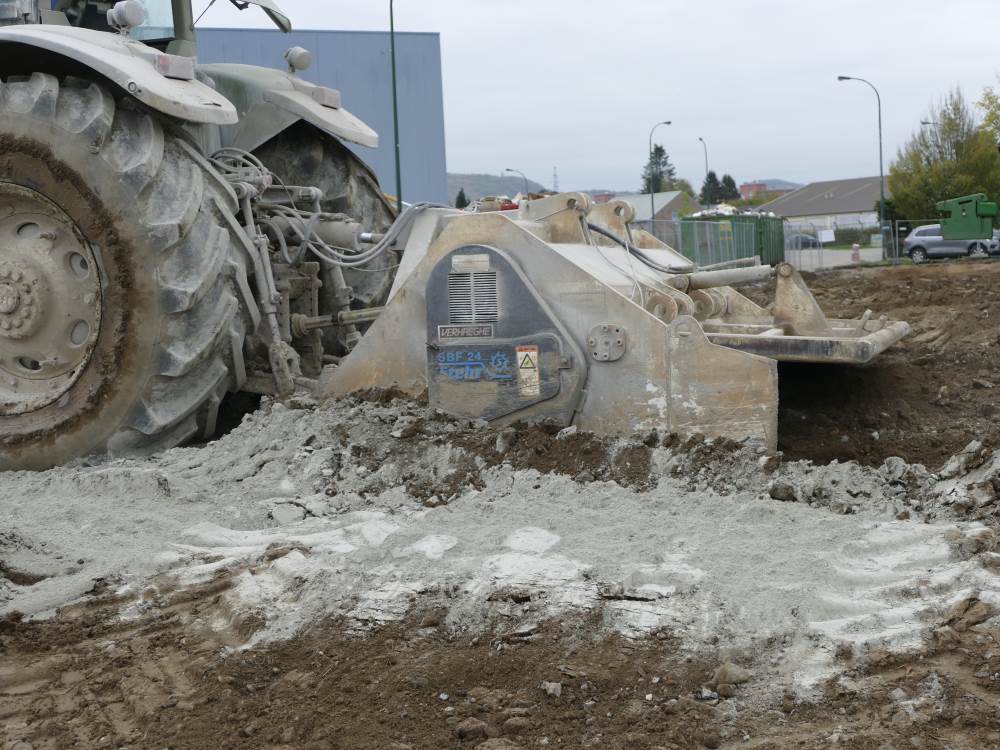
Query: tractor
x=173, y=235
x=151, y=263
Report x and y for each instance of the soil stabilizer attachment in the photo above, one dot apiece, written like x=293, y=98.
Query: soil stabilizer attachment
x=561, y=311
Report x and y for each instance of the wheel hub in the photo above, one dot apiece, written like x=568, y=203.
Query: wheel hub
x=50, y=301
x=10, y=298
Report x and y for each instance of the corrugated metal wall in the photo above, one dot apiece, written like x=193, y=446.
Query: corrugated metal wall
x=357, y=63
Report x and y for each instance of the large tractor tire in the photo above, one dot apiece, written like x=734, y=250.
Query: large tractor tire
x=123, y=308
x=304, y=155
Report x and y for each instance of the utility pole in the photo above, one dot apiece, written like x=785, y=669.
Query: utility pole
x=395, y=108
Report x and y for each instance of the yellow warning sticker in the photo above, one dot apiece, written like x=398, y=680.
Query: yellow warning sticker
x=528, y=382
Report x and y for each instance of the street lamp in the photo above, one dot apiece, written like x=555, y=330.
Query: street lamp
x=518, y=171
x=652, y=208
x=395, y=108
x=705, y=147
x=935, y=126
x=881, y=175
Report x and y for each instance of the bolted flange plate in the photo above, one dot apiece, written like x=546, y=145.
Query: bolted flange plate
x=607, y=342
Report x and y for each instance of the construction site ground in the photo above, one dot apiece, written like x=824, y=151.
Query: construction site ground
x=369, y=573
x=924, y=398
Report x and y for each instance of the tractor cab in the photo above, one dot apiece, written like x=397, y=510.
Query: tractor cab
x=165, y=24
x=157, y=25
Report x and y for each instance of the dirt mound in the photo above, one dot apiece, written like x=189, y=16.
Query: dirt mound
x=924, y=398
x=550, y=449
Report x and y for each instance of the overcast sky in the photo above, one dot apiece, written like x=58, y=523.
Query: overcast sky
x=577, y=84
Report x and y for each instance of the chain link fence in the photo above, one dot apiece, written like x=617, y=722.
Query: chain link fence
x=810, y=246
x=705, y=242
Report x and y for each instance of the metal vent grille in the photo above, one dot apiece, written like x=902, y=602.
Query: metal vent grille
x=472, y=297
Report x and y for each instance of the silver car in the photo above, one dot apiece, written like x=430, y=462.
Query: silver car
x=926, y=242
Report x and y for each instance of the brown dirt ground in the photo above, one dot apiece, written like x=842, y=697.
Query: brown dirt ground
x=928, y=396
x=90, y=680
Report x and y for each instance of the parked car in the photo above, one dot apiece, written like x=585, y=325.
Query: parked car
x=801, y=242
x=925, y=243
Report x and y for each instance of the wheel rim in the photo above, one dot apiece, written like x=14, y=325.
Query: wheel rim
x=50, y=301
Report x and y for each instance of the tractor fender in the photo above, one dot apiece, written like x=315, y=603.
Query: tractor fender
x=269, y=101
x=165, y=83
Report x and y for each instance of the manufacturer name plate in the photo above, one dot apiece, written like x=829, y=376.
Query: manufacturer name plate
x=465, y=332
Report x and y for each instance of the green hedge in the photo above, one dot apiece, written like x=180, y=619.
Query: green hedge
x=861, y=235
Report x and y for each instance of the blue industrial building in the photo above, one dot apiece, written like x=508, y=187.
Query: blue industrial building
x=357, y=63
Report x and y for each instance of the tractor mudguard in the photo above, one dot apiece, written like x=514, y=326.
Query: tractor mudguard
x=269, y=101
x=165, y=83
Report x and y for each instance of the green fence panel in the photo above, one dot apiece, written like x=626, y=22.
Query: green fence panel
x=717, y=239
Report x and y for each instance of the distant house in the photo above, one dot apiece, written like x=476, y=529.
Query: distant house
x=750, y=190
x=831, y=203
x=670, y=205
x=602, y=196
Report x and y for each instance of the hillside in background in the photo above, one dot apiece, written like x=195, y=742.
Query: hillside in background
x=477, y=186
x=774, y=183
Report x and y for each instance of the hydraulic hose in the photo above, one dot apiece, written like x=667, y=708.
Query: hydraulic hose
x=638, y=254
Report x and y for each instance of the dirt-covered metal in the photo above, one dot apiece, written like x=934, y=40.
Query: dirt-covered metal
x=150, y=266
x=631, y=336
x=174, y=233
x=50, y=300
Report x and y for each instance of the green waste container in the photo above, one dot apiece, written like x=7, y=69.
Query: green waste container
x=738, y=236
x=970, y=217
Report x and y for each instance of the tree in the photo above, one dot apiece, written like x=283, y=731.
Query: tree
x=684, y=186
x=892, y=212
x=460, y=200
x=952, y=156
x=658, y=174
x=729, y=190
x=989, y=102
x=711, y=190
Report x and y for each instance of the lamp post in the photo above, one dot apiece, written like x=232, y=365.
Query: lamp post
x=525, y=179
x=937, y=134
x=395, y=108
x=652, y=208
x=705, y=147
x=881, y=174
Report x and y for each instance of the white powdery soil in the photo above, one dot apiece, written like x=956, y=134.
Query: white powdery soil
x=778, y=584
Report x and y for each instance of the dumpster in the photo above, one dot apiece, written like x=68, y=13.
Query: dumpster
x=970, y=217
x=711, y=239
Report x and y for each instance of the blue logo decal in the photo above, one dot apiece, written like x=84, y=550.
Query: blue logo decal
x=469, y=365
